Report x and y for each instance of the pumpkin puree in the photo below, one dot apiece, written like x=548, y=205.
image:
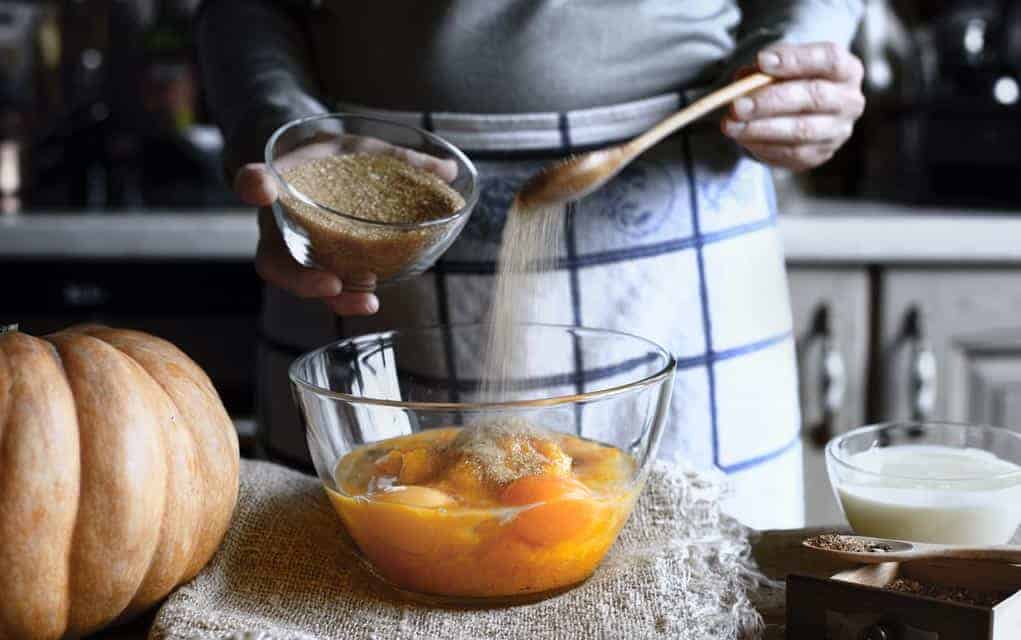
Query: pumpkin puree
x=430, y=518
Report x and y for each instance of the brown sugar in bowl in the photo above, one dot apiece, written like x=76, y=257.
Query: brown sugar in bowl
x=354, y=205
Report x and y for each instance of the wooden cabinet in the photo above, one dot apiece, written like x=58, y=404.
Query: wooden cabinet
x=947, y=346
x=967, y=322
x=831, y=325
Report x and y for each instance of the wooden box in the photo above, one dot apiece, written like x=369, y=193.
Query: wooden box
x=845, y=606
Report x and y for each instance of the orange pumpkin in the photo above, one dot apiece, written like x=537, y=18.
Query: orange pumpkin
x=118, y=477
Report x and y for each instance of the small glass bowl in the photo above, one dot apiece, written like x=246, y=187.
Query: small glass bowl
x=372, y=388
x=927, y=501
x=359, y=250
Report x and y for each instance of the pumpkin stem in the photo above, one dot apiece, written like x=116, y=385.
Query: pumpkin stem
x=8, y=328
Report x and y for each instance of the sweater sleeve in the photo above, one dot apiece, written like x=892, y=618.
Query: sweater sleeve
x=764, y=22
x=256, y=68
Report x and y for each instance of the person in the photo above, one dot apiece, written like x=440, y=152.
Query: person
x=681, y=247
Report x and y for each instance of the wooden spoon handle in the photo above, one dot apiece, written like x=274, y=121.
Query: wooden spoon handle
x=697, y=109
x=1005, y=553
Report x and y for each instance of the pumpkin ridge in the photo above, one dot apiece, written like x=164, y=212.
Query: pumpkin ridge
x=78, y=626
x=115, y=486
x=99, y=331
x=52, y=604
x=199, y=380
x=207, y=531
x=72, y=539
x=134, y=607
x=5, y=397
x=52, y=348
x=81, y=482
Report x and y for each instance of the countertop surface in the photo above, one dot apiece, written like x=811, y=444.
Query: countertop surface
x=817, y=230
x=814, y=231
x=156, y=234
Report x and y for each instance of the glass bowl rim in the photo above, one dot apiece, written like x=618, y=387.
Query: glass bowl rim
x=469, y=202
x=663, y=373
x=833, y=454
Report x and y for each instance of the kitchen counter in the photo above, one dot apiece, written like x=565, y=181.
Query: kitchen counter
x=149, y=235
x=827, y=231
x=814, y=231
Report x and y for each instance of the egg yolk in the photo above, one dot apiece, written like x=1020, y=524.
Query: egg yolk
x=562, y=508
x=414, y=496
x=532, y=489
x=444, y=512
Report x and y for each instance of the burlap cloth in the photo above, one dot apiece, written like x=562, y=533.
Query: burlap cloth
x=680, y=569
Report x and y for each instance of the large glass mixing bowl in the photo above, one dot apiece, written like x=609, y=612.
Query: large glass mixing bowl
x=602, y=394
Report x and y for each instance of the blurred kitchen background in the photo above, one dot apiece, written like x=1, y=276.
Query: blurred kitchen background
x=113, y=206
x=904, y=252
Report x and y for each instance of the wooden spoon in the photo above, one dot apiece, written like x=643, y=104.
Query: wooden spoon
x=871, y=575
x=580, y=175
x=883, y=550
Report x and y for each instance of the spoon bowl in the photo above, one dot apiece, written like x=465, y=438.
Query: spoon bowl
x=573, y=178
x=580, y=175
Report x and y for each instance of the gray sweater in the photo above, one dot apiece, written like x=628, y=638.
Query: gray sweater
x=268, y=61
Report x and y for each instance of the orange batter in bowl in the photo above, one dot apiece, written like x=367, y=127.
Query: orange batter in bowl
x=487, y=512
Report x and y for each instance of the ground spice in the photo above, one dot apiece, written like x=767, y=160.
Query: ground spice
x=953, y=594
x=837, y=542
x=503, y=451
x=377, y=188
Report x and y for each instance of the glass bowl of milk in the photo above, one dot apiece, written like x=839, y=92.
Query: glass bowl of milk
x=929, y=482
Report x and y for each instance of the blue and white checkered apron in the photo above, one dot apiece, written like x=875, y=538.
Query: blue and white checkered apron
x=681, y=248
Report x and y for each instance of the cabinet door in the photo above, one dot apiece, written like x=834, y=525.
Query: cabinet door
x=208, y=309
x=951, y=345
x=831, y=324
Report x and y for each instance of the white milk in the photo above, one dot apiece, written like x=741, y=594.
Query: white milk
x=975, y=508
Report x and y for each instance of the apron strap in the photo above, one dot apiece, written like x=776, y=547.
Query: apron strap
x=536, y=132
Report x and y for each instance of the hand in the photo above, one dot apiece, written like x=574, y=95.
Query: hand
x=254, y=185
x=800, y=120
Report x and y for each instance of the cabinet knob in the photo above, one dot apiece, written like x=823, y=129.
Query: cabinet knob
x=84, y=294
x=923, y=371
x=878, y=632
x=832, y=382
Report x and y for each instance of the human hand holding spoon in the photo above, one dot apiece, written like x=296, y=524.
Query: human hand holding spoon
x=580, y=175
